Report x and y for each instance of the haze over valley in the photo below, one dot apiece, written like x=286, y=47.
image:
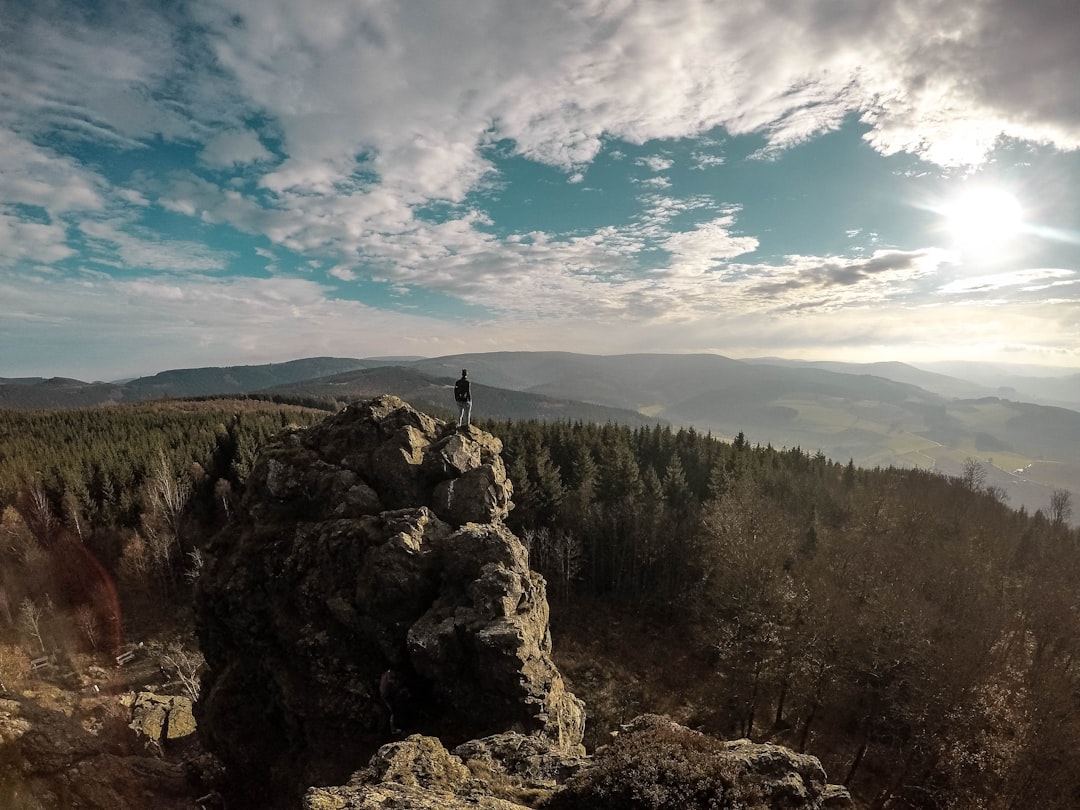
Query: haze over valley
x=1025, y=430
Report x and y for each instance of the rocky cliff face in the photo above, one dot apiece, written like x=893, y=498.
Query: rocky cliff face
x=375, y=639
x=372, y=543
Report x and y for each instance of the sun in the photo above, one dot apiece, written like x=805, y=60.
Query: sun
x=984, y=218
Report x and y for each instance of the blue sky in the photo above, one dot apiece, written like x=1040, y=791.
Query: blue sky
x=222, y=182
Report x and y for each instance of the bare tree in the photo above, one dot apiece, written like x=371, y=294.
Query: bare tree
x=86, y=621
x=195, y=568
x=176, y=659
x=1061, y=506
x=168, y=494
x=159, y=545
x=31, y=618
x=223, y=494
x=136, y=561
x=39, y=513
x=5, y=608
x=973, y=476
x=74, y=512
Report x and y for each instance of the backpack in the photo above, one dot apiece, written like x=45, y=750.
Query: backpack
x=461, y=390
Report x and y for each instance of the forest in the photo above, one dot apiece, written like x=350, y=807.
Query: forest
x=910, y=629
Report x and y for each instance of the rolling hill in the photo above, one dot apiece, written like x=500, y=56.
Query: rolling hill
x=877, y=414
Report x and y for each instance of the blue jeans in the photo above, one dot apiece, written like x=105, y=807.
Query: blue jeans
x=464, y=413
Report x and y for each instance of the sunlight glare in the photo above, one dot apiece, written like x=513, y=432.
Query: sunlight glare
x=984, y=218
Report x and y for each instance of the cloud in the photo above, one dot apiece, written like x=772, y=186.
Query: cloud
x=343, y=273
x=95, y=73
x=705, y=247
x=656, y=163
x=419, y=96
x=381, y=109
x=812, y=283
x=704, y=160
x=135, y=248
x=198, y=323
x=36, y=176
x=345, y=123
x=233, y=148
x=654, y=182
x=22, y=240
x=1034, y=280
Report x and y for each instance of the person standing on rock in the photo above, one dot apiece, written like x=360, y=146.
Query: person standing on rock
x=463, y=397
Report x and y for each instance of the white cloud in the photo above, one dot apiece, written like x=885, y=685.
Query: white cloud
x=702, y=249
x=342, y=272
x=656, y=163
x=234, y=147
x=419, y=94
x=412, y=97
x=33, y=175
x=138, y=249
x=654, y=182
x=133, y=197
x=703, y=160
x=377, y=109
x=94, y=74
x=204, y=321
x=22, y=240
x=1029, y=280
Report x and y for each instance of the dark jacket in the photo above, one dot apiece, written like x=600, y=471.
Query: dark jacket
x=462, y=391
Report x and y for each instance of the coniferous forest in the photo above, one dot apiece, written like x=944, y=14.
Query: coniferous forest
x=911, y=630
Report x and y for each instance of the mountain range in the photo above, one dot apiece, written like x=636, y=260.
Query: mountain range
x=1023, y=428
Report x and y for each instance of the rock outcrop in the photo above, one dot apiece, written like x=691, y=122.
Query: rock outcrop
x=498, y=773
x=654, y=764
x=368, y=591
x=370, y=543
x=83, y=753
x=159, y=718
x=657, y=764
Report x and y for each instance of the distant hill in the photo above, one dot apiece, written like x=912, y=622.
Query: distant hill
x=877, y=414
x=1058, y=387
x=195, y=382
x=57, y=392
x=1024, y=383
x=882, y=414
x=435, y=394
x=943, y=384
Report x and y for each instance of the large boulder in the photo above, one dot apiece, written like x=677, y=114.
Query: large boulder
x=657, y=764
x=370, y=544
x=508, y=771
x=159, y=718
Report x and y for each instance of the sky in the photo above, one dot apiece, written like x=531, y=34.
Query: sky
x=225, y=182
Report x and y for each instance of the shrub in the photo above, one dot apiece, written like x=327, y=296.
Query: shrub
x=660, y=767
